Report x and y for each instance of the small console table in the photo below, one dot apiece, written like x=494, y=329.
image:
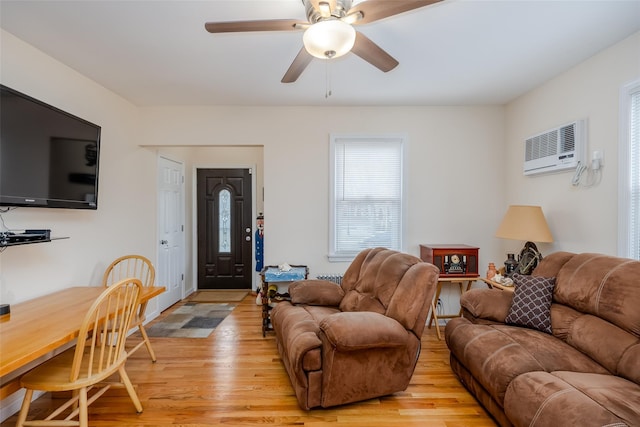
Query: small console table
x=272, y=274
x=458, y=265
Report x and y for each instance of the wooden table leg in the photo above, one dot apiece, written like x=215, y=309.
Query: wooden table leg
x=434, y=312
x=435, y=316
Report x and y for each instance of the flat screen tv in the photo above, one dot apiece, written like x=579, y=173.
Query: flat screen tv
x=48, y=158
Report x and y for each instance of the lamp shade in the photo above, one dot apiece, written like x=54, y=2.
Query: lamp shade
x=524, y=223
x=329, y=39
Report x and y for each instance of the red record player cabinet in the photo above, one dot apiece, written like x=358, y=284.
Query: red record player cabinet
x=452, y=260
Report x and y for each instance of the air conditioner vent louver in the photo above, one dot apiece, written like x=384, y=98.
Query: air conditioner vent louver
x=567, y=138
x=556, y=149
x=542, y=145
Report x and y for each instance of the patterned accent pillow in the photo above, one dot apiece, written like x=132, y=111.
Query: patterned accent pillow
x=531, y=304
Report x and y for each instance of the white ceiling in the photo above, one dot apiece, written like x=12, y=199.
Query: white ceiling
x=457, y=52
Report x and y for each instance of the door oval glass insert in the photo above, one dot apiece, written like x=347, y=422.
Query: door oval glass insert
x=224, y=221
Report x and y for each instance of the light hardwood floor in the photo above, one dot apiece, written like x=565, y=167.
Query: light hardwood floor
x=235, y=377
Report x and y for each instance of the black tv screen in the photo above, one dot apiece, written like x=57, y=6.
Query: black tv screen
x=48, y=158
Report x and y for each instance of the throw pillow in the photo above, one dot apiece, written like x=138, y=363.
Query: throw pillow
x=531, y=304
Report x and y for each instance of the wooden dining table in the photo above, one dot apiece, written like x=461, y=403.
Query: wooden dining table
x=39, y=326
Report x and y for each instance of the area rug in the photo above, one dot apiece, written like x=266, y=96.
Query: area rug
x=191, y=320
x=218, y=296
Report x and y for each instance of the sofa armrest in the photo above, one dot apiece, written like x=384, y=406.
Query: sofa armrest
x=486, y=304
x=358, y=330
x=316, y=292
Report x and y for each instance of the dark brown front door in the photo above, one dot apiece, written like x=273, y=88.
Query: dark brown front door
x=224, y=228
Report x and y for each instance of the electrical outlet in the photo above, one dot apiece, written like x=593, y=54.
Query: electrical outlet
x=597, y=159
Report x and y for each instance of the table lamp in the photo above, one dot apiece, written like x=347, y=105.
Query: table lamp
x=524, y=223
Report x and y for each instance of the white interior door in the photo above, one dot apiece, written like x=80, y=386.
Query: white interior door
x=170, y=268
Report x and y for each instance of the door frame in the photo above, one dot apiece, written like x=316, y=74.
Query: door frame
x=183, y=215
x=194, y=213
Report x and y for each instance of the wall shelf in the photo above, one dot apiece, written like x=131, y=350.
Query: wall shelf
x=28, y=242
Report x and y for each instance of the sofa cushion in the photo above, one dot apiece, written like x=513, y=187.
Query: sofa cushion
x=609, y=345
x=497, y=354
x=604, y=286
x=299, y=334
x=351, y=331
x=531, y=302
x=486, y=304
x=316, y=292
x=578, y=399
x=380, y=272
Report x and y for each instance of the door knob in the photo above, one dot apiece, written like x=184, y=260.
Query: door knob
x=164, y=242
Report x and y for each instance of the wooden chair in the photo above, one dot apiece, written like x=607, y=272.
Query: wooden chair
x=93, y=360
x=141, y=268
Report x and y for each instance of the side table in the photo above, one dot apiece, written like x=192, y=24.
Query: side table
x=272, y=274
x=464, y=284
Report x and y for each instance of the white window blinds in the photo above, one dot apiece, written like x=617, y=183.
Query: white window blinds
x=634, y=175
x=366, y=197
x=629, y=170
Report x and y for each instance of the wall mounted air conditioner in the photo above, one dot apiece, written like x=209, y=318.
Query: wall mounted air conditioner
x=557, y=149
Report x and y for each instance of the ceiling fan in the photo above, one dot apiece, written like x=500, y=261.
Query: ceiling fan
x=329, y=31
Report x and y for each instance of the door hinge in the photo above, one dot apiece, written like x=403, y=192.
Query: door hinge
x=182, y=227
x=182, y=277
x=250, y=171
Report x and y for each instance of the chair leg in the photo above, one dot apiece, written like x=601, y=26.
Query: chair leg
x=132, y=392
x=147, y=342
x=83, y=415
x=24, y=410
x=75, y=395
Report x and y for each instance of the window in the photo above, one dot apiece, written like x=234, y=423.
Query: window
x=367, y=201
x=629, y=160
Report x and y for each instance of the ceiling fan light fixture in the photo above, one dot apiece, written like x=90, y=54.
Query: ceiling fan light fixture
x=330, y=38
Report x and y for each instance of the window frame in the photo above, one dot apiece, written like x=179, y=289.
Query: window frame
x=624, y=170
x=334, y=139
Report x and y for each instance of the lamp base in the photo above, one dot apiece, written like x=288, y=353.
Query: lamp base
x=510, y=265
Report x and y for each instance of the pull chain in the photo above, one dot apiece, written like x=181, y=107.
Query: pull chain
x=327, y=92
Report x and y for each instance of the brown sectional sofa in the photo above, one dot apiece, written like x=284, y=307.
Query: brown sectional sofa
x=585, y=373
x=359, y=340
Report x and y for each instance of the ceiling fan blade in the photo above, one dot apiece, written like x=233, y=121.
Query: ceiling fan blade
x=372, y=53
x=374, y=10
x=297, y=66
x=241, y=26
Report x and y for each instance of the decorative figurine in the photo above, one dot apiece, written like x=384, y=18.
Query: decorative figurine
x=259, y=242
x=491, y=272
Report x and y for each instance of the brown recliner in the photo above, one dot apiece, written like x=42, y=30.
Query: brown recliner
x=358, y=340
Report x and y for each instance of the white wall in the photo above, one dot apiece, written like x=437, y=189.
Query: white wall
x=455, y=189
x=581, y=219
x=126, y=183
